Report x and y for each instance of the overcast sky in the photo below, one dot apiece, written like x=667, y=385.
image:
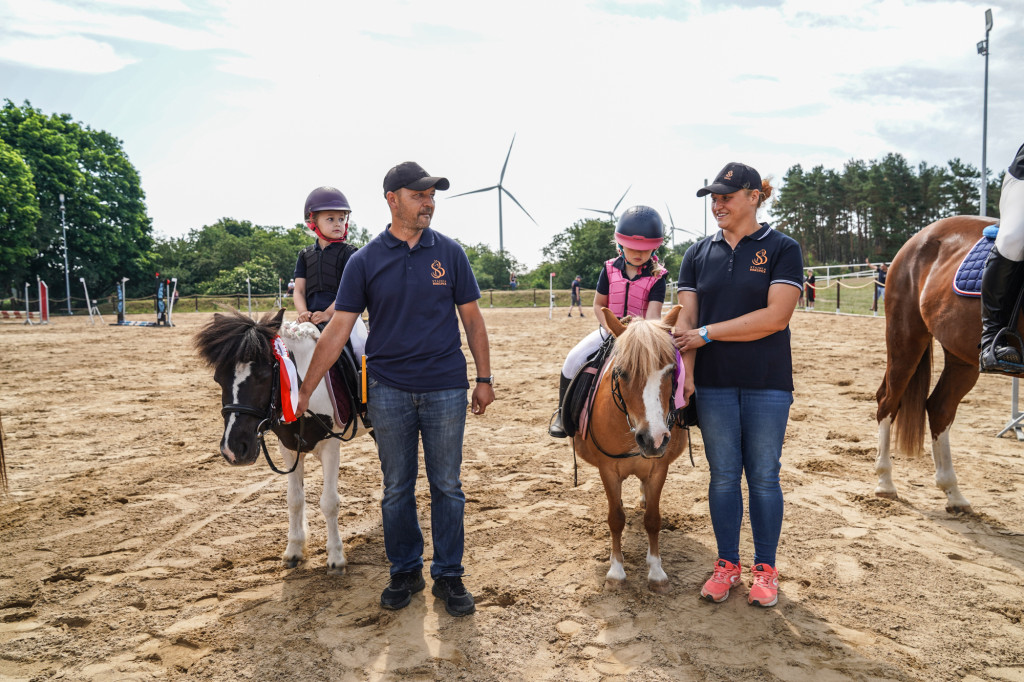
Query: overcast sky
x=238, y=108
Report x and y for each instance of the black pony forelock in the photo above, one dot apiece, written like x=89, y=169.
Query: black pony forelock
x=230, y=338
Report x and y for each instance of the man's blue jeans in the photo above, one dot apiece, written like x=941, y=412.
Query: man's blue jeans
x=399, y=419
x=743, y=430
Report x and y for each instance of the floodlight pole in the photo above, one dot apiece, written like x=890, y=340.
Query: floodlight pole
x=983, y=49
x=705, y=210
x=64, y=232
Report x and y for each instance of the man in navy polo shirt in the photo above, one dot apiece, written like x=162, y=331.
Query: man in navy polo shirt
x=412, y=280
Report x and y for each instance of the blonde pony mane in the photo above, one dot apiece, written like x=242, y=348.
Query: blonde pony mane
x=644, y=348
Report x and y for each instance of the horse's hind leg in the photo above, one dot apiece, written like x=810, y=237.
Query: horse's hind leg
x=956, y=380
x=657, y=580
x=298, y=528
x=330, y=454
x=616, y=522
x=883, y=463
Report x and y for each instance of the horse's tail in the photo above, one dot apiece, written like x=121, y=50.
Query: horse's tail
x=909, y=422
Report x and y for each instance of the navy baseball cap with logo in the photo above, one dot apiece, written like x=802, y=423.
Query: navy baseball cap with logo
x=411, y=175
x=733, y=178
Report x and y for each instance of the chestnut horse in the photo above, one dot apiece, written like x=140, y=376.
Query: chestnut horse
x=632, y=431
x=920, y=305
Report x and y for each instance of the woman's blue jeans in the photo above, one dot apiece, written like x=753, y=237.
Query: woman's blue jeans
x=399, y=419
x=743, y=430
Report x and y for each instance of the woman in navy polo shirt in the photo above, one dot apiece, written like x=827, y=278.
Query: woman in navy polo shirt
x=738, y=289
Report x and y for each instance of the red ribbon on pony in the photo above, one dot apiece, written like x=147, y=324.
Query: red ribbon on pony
x=289, y=380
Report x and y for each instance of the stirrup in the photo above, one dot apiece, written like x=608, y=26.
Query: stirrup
x=993, y=357
x=555, y=428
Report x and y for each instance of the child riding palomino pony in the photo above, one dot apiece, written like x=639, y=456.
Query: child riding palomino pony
x=633, y=431
x=249, y=363
x=921, y=304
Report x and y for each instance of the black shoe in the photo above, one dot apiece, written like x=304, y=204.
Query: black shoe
x=399, y=591
x=557, y=430
x=457, y=599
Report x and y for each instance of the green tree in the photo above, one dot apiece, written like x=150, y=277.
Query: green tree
x=260, y=272
x=580, y=249
x=492, y=269
x=19, y=214
x=109, y=234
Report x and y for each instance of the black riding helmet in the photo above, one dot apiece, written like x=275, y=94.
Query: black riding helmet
x=640, y=228
x=325, y=199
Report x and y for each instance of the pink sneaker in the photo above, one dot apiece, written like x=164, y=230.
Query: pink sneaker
x=726, y=574
x=765, y=590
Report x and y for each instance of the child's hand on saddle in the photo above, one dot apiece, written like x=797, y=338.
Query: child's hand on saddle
x=304, y=316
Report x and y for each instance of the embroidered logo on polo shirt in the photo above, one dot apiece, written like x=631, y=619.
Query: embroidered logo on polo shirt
x=760, y=258
x=437, y=272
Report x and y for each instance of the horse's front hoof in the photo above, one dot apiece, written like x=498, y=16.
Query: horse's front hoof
x=885, y=495
x=291, y=561
x=336, y=569
x=959, y=509
x=659, y=586
x=613, y=585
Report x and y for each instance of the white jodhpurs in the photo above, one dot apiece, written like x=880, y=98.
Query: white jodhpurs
x=358, y=339
x=1010, y=239
x=577, y=357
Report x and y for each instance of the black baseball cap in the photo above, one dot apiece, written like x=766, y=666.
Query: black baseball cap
x=411, y=175
x=733, y=178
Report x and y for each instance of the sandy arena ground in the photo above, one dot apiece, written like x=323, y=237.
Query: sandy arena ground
x=132, y=551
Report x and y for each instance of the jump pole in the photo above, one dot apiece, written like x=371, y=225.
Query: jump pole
x=28, y=310
x=88, y=301
x=170, y=303
x=248, y=293
x=551, y=294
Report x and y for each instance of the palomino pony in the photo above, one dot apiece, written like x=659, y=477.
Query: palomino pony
x=920, y=304
x=632, y=431
x=241, y=351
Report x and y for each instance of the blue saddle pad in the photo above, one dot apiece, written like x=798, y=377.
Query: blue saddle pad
x=967, y=281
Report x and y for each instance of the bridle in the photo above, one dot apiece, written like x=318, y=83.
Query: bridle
x=620, y=403
x=272, y=417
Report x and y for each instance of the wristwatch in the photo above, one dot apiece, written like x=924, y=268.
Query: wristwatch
x=703, y=331
x=486, y=380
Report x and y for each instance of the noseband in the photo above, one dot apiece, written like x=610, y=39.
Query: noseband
x=620, y=402
x=267, y=419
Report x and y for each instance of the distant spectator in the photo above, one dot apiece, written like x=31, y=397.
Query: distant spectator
x=575, y=296
x=512, y=281
x=809, y=288
x=880, y=272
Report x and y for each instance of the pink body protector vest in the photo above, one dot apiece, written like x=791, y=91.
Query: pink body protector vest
x=628, y=297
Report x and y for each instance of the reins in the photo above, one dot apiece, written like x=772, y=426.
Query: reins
x=272, y=417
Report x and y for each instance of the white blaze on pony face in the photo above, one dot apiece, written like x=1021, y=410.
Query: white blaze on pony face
x=654, y=412
x=243, y=370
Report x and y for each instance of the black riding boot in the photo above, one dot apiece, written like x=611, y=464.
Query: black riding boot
x=556, y=430
x=1000, y=285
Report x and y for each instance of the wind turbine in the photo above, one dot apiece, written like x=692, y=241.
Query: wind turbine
x=611, y=213
x=673, y=229
x=501, y=188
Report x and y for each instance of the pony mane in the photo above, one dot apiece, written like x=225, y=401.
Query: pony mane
x=644, y=348
x=230, y=338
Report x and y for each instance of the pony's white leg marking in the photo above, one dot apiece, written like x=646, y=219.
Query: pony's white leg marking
x=655, y=573
x=945, y=476
x=242, y=372
x=655, y=413
x=617, y=572
x=883, y=464
x=330, y=455
x=298, y=528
